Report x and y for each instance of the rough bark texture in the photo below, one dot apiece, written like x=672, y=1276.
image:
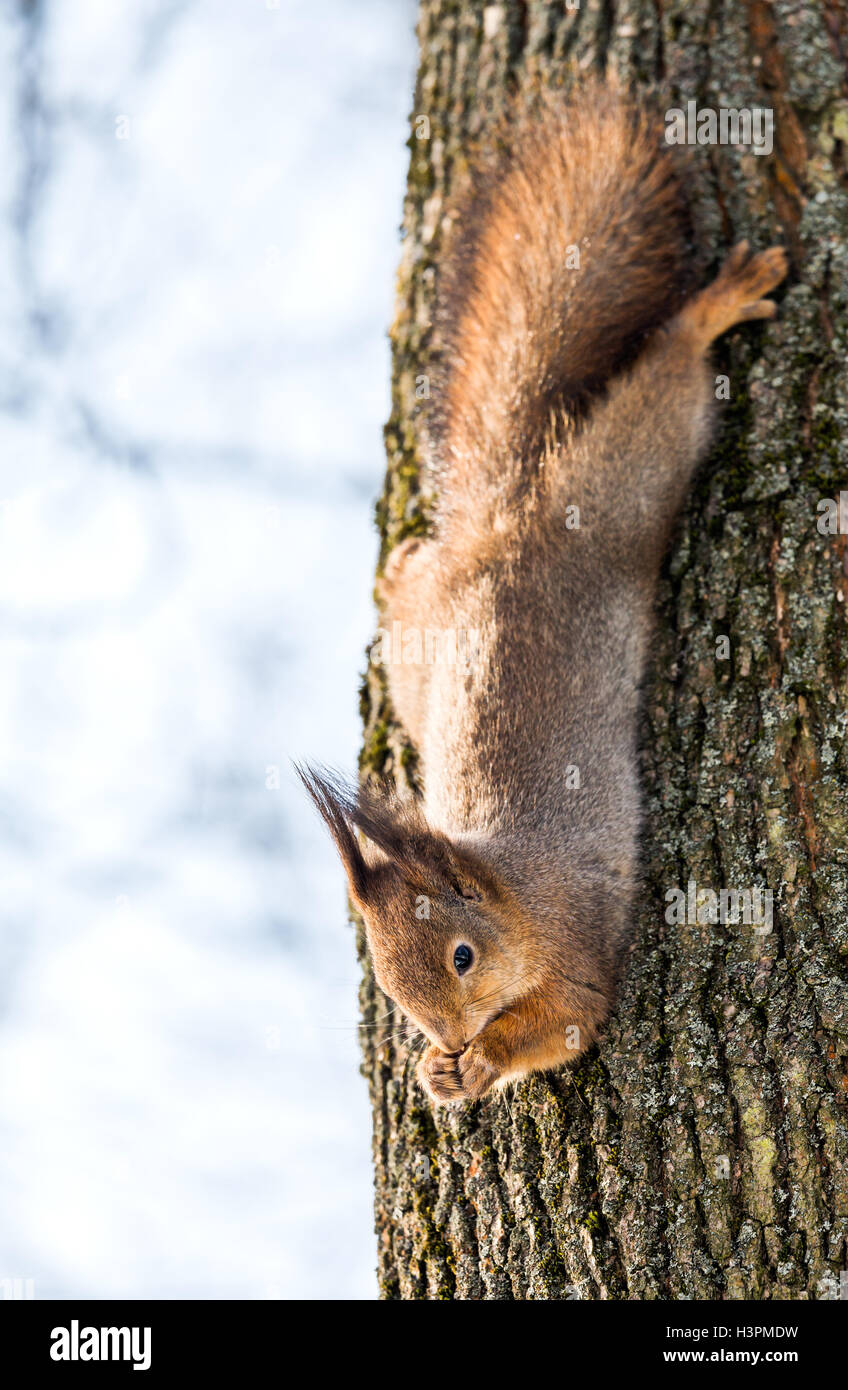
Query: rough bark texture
x=702, y=1150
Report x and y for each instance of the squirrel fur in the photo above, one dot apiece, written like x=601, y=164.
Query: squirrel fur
x=573, y=386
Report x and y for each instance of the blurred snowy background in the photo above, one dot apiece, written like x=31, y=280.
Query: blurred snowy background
x=198, y=240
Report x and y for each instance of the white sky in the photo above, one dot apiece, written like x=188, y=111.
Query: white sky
x=193, y=380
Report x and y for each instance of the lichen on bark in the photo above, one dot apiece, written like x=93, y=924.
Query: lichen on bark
x=701, y=1151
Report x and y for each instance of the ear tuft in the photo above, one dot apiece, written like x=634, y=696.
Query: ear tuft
x=397, y=829
x=335, y=803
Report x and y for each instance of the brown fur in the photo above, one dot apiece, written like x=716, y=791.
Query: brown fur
x=523, y=332
x=503, y=853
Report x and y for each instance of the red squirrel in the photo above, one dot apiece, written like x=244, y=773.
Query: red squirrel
x=575, y=401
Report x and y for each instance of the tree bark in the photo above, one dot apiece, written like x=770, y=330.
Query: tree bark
x=701, y=1151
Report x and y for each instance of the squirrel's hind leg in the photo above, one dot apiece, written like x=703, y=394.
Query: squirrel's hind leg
x=630, y=466
x=736, y=294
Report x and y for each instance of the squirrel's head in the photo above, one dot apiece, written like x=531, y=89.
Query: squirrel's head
x=441, y=928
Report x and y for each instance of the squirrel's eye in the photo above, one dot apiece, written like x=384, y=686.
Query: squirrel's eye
x=462, y=958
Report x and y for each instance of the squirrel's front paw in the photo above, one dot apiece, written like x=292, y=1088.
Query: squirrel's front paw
x=438, y=1074
x=477, y=1071
x=455, y=1077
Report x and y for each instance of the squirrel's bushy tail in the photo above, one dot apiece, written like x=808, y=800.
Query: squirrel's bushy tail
x=568, y=249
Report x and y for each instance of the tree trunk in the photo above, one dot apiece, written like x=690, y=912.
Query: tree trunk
x=701, y=1151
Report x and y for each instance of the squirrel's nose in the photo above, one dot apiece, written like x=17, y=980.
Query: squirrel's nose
x=448, y=1037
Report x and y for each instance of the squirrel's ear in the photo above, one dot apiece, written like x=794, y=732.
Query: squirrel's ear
x=398, y=833
x=422, y=855
x=336, y=805
x=469, y=877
